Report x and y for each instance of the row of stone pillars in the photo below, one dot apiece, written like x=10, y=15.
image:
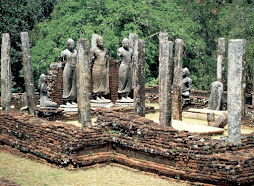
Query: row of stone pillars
x=236, y=81
x=170, y=78
x=83, y=74
x=6, y=72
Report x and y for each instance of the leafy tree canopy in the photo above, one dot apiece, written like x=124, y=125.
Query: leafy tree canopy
x=198, y=22
x=19, y=16
x=114, y=20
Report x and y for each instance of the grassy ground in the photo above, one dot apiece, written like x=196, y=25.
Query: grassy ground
x=26, y=172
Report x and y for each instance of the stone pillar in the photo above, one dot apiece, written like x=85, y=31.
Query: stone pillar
x=84, y=82
x=220, y=59
x=177, y=84
x=93, y=41
x=163, y=36
x=252, y=93
x=165, y=79
x=236, y=86
x=28, y=74
x=133, y=38
x=139, y=86
x=252, y=97
x=6, y=72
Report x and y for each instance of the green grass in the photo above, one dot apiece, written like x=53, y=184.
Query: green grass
x=27, y=172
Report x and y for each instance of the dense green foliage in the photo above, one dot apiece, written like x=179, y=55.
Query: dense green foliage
x=114, y=20
x=221, y=18
x=198, y=22
x=19, y=16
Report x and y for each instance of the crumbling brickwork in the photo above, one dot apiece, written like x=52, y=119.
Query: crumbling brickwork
x=132, y=141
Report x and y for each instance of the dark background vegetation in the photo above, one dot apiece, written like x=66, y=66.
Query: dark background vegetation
x=198, y=22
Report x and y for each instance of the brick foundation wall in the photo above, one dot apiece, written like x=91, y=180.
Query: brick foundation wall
x=155, y=148
x=132, y=141
x=57, y=143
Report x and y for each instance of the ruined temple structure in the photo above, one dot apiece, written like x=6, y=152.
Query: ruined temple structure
x=127, y=139
x=137, y=142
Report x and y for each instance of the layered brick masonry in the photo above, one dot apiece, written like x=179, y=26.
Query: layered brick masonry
x=132, y=141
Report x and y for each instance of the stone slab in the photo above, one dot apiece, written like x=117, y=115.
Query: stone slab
x=73, y=109
x=205, y=111
x=194, y=115
x=197, y=128
x=68, y=106
x=124, y=103
x=101, y=104
x=48, y=108
x=191, y=127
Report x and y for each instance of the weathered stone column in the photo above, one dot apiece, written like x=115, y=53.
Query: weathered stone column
x=139, y=87
x=220, y=59
x=28, y=74
x=252, y=93
x=252, y=98
x=163, y=36
x=6, y=72
x=93, y=41
x=84, y=82
x=165, y=79
x=133, y=38
x=177, y=84
x=236, y=86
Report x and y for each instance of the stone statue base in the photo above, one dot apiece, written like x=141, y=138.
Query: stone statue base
x=49, y=114
x=48, y=108
x=69, y=108
x=104, y=103
x=124, y=103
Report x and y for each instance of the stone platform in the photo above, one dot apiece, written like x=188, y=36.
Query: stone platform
x=49, y=114
x=197, y=128
x=191, y=127
x=69, y=108
x=202, y=113
x=104, y=103
x=124, y=103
